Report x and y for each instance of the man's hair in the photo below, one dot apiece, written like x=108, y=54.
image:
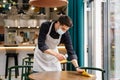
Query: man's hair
x=21, y=32
x=65, y=20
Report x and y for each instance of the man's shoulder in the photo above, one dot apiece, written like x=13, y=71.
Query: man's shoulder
x=47, y=23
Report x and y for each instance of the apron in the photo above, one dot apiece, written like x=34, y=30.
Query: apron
x=44, y=61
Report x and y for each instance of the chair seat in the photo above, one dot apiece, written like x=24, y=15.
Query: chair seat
x=11, y=54
x=30, y=54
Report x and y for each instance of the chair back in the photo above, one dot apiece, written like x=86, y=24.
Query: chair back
x=94, y=68
x=26, y=61
x=26, y=72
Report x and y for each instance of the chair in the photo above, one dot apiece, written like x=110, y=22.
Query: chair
x=26, y=61
x=31, y=55
x=94, y=68
x=25, y=73
x=15, y=56
x=11, y=53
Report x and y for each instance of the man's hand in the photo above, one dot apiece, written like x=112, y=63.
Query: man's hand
x=80, y=70
x=60, y=57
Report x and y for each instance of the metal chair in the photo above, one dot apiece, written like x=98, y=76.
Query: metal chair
x=26, y=61
x=25, y=73
x=15, y=57
x=94, y=68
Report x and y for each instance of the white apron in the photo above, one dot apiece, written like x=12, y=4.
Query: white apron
x=44, y=61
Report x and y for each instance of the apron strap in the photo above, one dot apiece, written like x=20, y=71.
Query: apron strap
x=50, y=28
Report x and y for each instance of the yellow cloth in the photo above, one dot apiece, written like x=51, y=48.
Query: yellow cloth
x=63, y=61
x=86, y=74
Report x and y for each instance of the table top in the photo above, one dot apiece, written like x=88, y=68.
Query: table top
x=59, y=75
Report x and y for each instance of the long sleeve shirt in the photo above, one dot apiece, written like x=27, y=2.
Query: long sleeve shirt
x=65, y=39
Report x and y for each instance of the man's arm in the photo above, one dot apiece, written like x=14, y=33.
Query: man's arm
x=42, y=36
x=75, y=63
x=66, y=39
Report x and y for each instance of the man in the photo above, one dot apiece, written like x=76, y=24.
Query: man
x=46, y=55
x=20, y=38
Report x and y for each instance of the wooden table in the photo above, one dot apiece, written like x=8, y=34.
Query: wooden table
x=59, y=75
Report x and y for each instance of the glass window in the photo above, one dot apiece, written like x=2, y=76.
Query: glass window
x=114, y=47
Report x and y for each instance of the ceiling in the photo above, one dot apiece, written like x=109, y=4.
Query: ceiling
x=17, y=8
x=20, y=9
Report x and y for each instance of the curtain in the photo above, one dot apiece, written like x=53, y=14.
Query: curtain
x=76, y=12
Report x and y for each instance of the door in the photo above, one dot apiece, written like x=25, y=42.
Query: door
x=114, y=39
x=94, y=34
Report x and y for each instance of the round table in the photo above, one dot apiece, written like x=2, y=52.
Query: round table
x=59, y=75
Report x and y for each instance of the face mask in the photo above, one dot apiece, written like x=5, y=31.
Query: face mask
x=60, y=31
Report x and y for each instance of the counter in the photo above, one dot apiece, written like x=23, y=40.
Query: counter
x=22, y=50
x=17, y=47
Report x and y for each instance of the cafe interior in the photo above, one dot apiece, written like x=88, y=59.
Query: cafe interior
x=94, y=34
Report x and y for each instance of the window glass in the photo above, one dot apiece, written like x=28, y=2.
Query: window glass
x=114, y=27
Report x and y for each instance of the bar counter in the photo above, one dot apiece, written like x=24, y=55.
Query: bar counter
x=22, y=50
x=28, y=46
x=31, y=46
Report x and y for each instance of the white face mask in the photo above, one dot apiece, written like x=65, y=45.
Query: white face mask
x=60, y=31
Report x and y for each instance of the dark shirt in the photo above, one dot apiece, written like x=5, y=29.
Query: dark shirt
x=65, y=39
